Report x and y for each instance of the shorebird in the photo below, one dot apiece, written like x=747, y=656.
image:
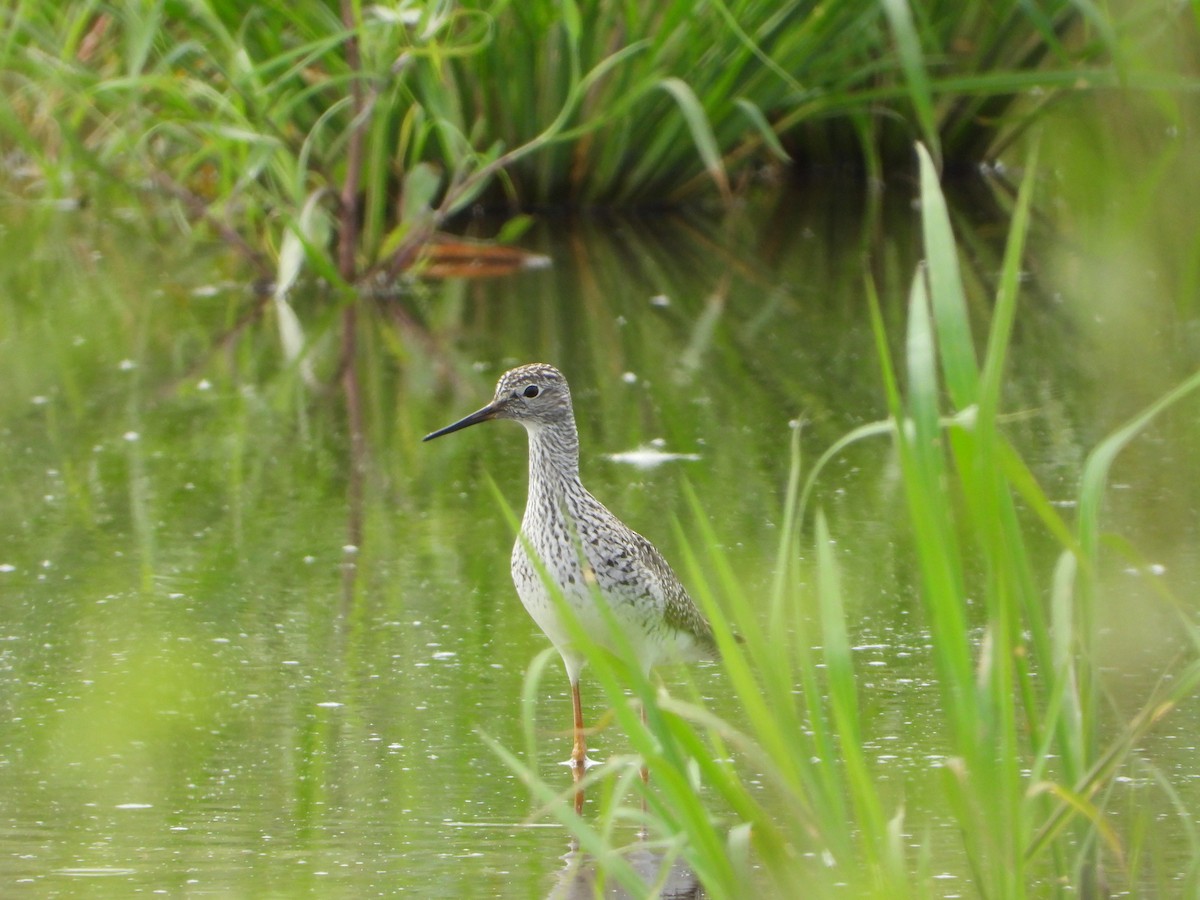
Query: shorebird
x=586, y=552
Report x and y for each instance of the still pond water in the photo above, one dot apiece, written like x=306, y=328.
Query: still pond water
x=205, y=691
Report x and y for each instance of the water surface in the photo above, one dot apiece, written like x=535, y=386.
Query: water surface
x=218, y=676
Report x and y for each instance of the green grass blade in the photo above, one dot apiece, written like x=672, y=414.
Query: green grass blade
x=843, y=702
x=1100, y=460
x=763, y=127
x=1005, y=310
x=912, y=61
x=946, y=291
x=701, y=131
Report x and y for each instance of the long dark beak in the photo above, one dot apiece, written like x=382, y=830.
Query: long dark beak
x=480, y=415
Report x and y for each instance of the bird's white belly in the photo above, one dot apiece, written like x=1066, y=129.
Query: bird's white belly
x=540, y=603
x=577, y=583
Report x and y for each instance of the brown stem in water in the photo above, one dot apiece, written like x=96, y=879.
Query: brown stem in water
x=348, y=199
x=347, y=247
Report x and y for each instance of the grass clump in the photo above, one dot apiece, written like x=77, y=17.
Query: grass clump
x=1030, y=742
x=359, y=129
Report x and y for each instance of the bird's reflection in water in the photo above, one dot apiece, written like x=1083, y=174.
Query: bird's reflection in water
x=578, y=879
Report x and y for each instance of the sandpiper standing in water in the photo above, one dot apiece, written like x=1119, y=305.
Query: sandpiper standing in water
x=583, y=549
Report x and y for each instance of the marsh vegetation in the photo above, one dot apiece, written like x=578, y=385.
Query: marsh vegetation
x=938, y=436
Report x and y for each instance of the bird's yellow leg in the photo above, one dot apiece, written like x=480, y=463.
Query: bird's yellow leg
x=579, y=753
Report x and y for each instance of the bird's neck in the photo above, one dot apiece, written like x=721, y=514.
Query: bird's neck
x=553, y=457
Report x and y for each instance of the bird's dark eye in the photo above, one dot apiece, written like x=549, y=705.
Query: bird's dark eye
x=531, y=391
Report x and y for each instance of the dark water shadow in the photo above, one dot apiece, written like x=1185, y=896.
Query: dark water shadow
x=579, y=877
